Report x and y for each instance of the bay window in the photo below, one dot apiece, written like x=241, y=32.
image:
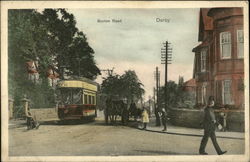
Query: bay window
x=240, y=44
x=225, y=45
x=203, y=60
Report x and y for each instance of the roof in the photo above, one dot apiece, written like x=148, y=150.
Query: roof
x=208, y=21
x=222, y=12
x=76, y=78
x=205, y=23
x=203, y=44
x=190, y=83
x=78, y=84
x=52, y=74
x=31, y=67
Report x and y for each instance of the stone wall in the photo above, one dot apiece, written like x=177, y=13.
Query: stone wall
x=235, y=121
x=192, y=118
x=186, y=117
x=44, y=114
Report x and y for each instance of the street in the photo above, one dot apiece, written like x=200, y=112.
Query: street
x=73, y=71
x=96, y=138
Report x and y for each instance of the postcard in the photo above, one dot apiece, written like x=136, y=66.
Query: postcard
x=125, y=81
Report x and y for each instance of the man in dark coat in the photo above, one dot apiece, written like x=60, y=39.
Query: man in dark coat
x=209, y=122
x=31, y=122
x=164, y=119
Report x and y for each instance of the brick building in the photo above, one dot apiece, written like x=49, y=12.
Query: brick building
x=190, y=86
x=33, y=74
x=219, y=59
x=53, y=76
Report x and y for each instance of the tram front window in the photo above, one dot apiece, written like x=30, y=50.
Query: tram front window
x=71, y=96
x=77, y=96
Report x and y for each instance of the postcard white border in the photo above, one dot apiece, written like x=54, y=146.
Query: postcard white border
x=5, y=5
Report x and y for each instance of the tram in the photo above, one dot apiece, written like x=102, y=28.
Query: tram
x=77, y=99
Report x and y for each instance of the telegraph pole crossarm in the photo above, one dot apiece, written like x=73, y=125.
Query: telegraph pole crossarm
x=109, y=71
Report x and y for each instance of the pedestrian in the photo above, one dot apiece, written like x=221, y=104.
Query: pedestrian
x=223, y=119
x=164, y=119
x=31, y=122
x=209, y=124
x=145, y=118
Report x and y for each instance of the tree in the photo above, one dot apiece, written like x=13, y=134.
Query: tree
x=131, y=85
x=111, y=86
x=126, y=86
x=176, y=97
x=81, y=58
x=50, y=39
x=27, y=41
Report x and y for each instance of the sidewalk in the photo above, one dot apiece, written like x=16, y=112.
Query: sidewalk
x=178, y=130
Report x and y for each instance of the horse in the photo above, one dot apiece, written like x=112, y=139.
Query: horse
x=115, y=108
x=134, y=111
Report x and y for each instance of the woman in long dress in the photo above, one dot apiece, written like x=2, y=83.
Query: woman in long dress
x=145, y=117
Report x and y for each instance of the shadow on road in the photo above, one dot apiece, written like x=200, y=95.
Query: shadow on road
x=153, y=152
x=66, y=122
x=185, y=134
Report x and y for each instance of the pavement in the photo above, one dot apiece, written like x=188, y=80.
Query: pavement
x=178, y=130
x=171, y=129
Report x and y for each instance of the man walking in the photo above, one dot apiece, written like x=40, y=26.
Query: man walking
x=164, y=119
x=209, y=128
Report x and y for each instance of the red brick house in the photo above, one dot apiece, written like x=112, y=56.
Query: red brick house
x=33, y=74
x=190, y=86
x=53, y=76
x=219, y=59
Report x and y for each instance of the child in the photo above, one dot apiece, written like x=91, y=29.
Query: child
x=145, y=117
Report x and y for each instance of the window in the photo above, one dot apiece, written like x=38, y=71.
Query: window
x=85, y=99
x=71, y=96
x=240, y=44
x=203, y=99
x=203, y=60
x=34, y=77
x=199, y=95
x=66, y=95
x=227, y=91
x=93, y=99
x=77, y=96
x=89, y=99
x=225, y=45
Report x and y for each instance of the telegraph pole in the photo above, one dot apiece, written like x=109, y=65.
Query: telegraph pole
x=154, y=99
x=109, y=71
x=166, y=58
x=157, y=78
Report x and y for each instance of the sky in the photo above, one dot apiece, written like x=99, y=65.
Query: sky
x=135, y=42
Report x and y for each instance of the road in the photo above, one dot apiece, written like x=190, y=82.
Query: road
x=96, y=138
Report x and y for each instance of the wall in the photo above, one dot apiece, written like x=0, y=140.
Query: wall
x=192, y=118
x=44, y=114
